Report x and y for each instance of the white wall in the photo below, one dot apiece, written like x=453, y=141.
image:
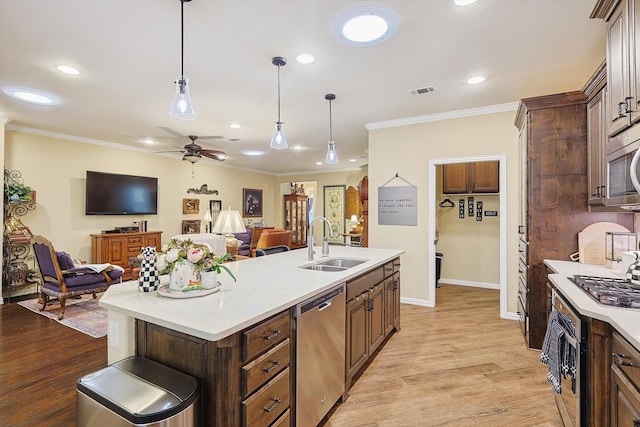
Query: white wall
x=407, y=150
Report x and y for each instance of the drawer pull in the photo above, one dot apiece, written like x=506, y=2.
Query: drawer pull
x=272, y=407
x=274, y=366
x=396, y=264
x=620, y=359
x=272, y=336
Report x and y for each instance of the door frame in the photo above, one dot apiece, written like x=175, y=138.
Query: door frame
x=502, y=215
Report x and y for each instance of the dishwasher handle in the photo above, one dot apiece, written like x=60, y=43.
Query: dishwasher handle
x=324, y=305
x=321, y=302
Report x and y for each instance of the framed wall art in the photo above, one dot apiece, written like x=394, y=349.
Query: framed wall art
x=334, y=210
x=251, y=202
x=215, y=206
x=190, y=226
x=190, y=206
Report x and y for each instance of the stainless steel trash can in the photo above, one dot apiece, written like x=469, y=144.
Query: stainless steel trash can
x=137, y=392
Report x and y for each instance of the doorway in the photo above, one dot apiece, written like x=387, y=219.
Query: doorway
x=502, y=217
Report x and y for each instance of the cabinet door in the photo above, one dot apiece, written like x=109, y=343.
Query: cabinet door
x=376, y=309
x=625, y=400
x=392, y=302
x=617, y=69
x=485, y=177
x=357, y=348
x=634, y=61
x=596, y=141
x=454, y=178
x=152, y=240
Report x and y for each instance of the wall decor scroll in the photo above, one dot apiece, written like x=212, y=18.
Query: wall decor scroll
x=190, y=206
x=334, y=210
x=204, y=189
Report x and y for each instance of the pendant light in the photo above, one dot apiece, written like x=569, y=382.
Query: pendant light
x=332, y=156
x=181, y=106
x=279, y=141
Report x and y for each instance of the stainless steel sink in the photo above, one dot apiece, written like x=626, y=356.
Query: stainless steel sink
x=322, y=267
x=342, y=262
x=333, y=264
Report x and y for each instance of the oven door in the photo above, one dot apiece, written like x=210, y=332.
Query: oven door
x=623, y=170
x=572, y=401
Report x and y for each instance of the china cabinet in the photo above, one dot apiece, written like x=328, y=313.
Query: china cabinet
x=295, y=218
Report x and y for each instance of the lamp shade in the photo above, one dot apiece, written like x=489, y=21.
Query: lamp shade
x=229, y=222
x=354, y=219
x=207, y=216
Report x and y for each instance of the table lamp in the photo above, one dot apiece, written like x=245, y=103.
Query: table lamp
x=229, y=222
x=207, y=220
x=354, y=223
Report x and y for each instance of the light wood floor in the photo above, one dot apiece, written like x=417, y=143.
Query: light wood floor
x=458, y=364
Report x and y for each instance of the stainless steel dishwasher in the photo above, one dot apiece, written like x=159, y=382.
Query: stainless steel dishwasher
x=320, y=363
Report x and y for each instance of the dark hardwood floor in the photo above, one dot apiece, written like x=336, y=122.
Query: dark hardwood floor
x=40, y=361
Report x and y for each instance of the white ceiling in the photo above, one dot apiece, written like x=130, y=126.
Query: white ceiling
x=128, y=53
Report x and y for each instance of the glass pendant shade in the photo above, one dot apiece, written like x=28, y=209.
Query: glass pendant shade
x=332, y=156
x=279, y=141
x=181, y=106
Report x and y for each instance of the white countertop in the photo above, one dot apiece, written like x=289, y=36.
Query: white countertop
x=266, y=286
x=625, y=320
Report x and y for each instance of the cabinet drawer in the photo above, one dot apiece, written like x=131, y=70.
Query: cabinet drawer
x=265, y=405
x=264, y=336
x=626, y=357
x=284, y=420
x=265, y=367
x=388, y=268
x=360, y=284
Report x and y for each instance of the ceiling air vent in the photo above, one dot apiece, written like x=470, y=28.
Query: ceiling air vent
x=423, y=90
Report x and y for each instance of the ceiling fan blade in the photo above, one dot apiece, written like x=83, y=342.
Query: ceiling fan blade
x=204, y=150
x=213, y=156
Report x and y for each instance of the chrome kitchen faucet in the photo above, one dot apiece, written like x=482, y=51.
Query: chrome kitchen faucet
x=310, y=235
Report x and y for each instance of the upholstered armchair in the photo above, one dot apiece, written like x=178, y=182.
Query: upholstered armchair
x=61, y=279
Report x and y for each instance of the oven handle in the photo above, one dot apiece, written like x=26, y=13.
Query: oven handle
x=632, y=171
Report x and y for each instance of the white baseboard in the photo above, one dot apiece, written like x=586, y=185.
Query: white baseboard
x=416, y=301
x=512, y=316
x=469, y=283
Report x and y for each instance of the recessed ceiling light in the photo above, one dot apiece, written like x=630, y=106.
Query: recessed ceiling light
x=319, y=163
x=475, y=80
x=234, y=126
x=366, y=25
x=148, y=141
x=464, y=2
x=352, y=160
x=298, y=147
x=31, y=95
x=252, y=153
x=305, y=58
x=68, y=69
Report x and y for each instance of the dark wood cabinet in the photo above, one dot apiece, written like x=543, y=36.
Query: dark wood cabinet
x=554, y=195
x=596, y=90
x=373, y=313
x=625, y=383
x=117, y=248
x=623, y=62
x=473, y=177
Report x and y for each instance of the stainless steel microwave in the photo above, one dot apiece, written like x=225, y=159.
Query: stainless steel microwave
x=623, y=170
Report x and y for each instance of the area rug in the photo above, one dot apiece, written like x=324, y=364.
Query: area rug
x=81, y=314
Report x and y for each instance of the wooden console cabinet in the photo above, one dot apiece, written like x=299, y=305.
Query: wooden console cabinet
x=116, y=248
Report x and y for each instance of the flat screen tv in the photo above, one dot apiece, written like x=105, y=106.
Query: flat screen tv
x=114, y=194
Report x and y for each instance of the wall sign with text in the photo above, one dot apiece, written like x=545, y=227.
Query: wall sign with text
x=397, y=205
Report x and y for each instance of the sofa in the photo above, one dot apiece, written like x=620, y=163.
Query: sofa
x=216, y=241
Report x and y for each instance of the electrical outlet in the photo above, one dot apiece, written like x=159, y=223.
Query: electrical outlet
x=114, y=334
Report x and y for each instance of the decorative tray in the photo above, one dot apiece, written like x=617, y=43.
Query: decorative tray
x=164, y=291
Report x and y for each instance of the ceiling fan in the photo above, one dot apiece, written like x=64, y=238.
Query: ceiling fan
x=193, y=152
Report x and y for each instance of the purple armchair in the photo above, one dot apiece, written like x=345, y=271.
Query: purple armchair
x=245, y=246
x=62, y=280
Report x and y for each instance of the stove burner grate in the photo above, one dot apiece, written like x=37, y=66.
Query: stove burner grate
x=610, y=291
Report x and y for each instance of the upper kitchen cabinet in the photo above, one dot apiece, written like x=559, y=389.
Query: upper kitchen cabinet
x=623, y=62
x=473, y=177
x=595, y=91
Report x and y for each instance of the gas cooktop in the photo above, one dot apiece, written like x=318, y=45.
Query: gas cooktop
x=610, y=291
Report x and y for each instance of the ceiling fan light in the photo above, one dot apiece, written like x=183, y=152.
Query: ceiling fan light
x=278, y=140
x=332, y=155
x=191, y=157
x=181, y=106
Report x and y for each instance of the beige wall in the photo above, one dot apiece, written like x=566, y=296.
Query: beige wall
x=56, y=169
x=407, y=150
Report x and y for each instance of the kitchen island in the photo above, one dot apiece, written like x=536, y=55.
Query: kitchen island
x=226, y=337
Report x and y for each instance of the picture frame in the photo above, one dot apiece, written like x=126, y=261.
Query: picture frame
x=251, y=202
x=190, y=206
x=190, y=226
x=334, y=210
x=215, y=206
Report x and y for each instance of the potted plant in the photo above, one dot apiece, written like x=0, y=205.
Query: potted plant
x=187, y=262
x=17, y=191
